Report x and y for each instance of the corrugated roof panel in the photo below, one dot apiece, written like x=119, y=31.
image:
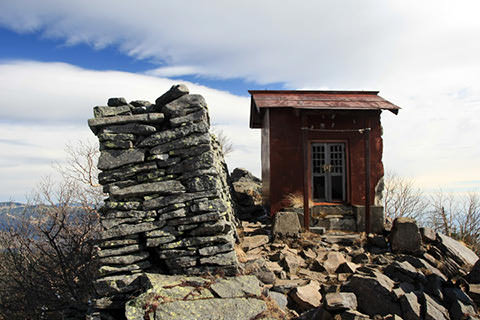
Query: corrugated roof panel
x=315, y=100
x=345, y=100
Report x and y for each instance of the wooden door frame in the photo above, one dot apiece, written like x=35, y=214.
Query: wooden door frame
x=347, y=167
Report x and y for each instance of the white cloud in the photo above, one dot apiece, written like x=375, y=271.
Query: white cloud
x=348, y=44
x=423, y=56
x=44, y=106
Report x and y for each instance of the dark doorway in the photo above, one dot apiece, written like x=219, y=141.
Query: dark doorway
x=328, y=172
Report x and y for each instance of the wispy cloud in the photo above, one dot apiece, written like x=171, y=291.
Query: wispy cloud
x=63, y=92
x=420, y=55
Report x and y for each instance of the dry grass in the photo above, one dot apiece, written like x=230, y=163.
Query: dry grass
x=295, y=200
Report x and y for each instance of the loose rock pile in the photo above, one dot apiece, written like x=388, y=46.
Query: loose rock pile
x=350, y=276
x=169, y=206
x=247, y=194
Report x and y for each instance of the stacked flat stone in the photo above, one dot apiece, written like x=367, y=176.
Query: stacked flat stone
x=169, y=207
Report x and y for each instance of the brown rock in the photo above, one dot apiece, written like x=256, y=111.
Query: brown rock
x=333, y=261
x=291, y=263
x=253, y=242
x=336, y=301
x=308, y=296
x=347, y=267
x=286, y=224
x=405, y=236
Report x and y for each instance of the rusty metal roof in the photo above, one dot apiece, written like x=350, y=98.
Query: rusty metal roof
x=315, y=100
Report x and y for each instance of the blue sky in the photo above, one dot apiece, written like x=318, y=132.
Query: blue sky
x=58, y=59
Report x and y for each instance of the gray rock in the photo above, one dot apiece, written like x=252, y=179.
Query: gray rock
x=161, y=187
x=118, y=284
x=135, y=214
x=221, y=259
x=405, y=236
x=370, y=290
x=115, y=136
x=462, y=255
x=130, y=128
x=206, y=309
x=474, y=275
x=168, y=254
x=118, y=251
x=237, y=287
x=114, y=102
x=206, y=217
x=121, y=205
x=253, y=242
x=125, y=172
x=155, y=242
x=404, y=271
x=184, y=105
x=162, y=202
x=111, y=159
x=140, y=103
x=458, y=303
x=116, y=145
x=153, y=118
x=198, y=116
x=119, y=242
x=286, y=224
x=206, y=205
x=125, y=259
x=179, y=263
x=129, y=229
x=333, y=260
x=211, y=250
x=199, y=241
x=192, y=140
x=432, y=309
x=175, y=92
x=279, y=298
x=163, y=137
x=410, y=306
x=106, y=270
x=220, y=226
x=428, y=234
x=202, y=183
x=100, y=111
x=338, y=301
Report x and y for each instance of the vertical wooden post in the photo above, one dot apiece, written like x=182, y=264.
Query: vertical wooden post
x=367, y=180
x=306, y=211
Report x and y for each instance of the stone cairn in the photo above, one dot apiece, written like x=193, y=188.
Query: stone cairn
x=169, y=208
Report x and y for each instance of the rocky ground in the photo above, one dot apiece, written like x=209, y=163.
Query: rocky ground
x=411, y=274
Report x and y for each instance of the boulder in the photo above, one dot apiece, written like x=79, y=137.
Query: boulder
x=280, y=299
x=247, y=194
x=253, y=242
x=462, y=255
x=175, y=92
x=410, y=306
x=333, y=260
x=370, y=290
x=474, y=275
x=405, y=236
x=286, y=224
x=432, y=309
x=308, y=296
x=115, y=102
x=181, y=298
x=347, y=267
x=340, y=301
x=428, y=234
